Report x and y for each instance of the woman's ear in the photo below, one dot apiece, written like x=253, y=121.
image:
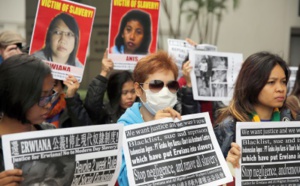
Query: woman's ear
x=138, y=89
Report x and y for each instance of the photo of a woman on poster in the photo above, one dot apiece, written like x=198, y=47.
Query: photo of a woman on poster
x=134, y=36
x=62, y=41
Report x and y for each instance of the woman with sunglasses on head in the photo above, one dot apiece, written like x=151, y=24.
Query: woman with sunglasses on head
x=62, y=41
x=260, y=91
x=155, y=84
x=26, y=94
x=120, y=92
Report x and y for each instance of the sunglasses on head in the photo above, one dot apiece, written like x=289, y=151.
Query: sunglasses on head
x=157, y=85
x=47, y=99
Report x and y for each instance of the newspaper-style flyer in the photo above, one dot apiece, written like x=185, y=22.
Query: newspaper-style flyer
x=133, y=31
x=76, y=156
x=292, y=79
x=61, y=36
x=270, y=153
x=174, y=152
x=179, y=49
x=214, y=74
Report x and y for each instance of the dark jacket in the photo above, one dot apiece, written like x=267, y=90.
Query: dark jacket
x=74, y=114
x=225, y=130
x=43, y=126
x=101, y=113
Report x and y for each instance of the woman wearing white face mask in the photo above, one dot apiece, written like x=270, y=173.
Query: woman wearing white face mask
x=155, y=84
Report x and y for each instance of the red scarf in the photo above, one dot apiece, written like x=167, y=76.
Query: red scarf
x=56, y=110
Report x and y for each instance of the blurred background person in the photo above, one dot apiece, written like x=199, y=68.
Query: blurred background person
x=11, y=43
x=67, y=109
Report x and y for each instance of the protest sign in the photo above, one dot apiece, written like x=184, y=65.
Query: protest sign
x=179, y=49
x=213, y=74
x=292, y=79
x=270, y=153
x=74, y=156
x=61, y=36
x=174, y=152
x=133, y=31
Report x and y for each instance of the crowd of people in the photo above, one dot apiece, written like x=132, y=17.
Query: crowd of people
x=148, y=93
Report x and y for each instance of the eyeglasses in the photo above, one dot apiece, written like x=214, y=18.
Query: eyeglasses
x=60, y=33
x=157, y=85
x=47, y=99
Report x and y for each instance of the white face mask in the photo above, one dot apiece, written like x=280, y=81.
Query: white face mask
x=159, y=100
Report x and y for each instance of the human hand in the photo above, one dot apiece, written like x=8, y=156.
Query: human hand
x=191, y=42
x=9, y=51
x=11, y=177
x=234, y=155
x=186, y=69
x=166, y=113
x=72, y=84
x=107, y=65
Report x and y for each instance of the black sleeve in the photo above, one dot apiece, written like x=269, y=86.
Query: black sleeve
x=186, y=103
x=94, y=99
x=77, y=112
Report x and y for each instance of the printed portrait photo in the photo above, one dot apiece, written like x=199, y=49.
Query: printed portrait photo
x=48, y=172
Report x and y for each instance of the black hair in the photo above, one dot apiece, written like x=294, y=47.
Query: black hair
x=145, y=21
x=114, y=87
x=252, y=78
x=73, y=26
x=21, y=81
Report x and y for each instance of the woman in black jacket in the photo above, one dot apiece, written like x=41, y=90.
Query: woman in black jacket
x=120, y=92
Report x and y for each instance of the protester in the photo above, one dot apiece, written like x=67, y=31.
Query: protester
x=120, y=92
x=67, y=109
x=11, y=43
x=26, y=94
x=62, y=41
x=259, y=93
x=155, y=84
x=134, y=35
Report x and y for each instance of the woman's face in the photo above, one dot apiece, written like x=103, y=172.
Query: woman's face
x=37, y=114
x=62, y=42
x=273, y=93
x=163, y=75
x=133, y=35
x=128, y=95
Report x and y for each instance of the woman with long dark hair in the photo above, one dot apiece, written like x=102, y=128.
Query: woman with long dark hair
x=26, y=95
x=260, y=91
x=120, y=92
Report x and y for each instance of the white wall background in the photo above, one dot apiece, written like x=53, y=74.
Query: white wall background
x=254, y=26
x=12, y=16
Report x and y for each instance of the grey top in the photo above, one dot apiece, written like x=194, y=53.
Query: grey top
x=40, y=54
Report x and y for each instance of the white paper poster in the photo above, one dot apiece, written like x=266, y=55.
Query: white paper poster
x=76, y=156
x=214, y=74
x=270, y=153
x=174, y=152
